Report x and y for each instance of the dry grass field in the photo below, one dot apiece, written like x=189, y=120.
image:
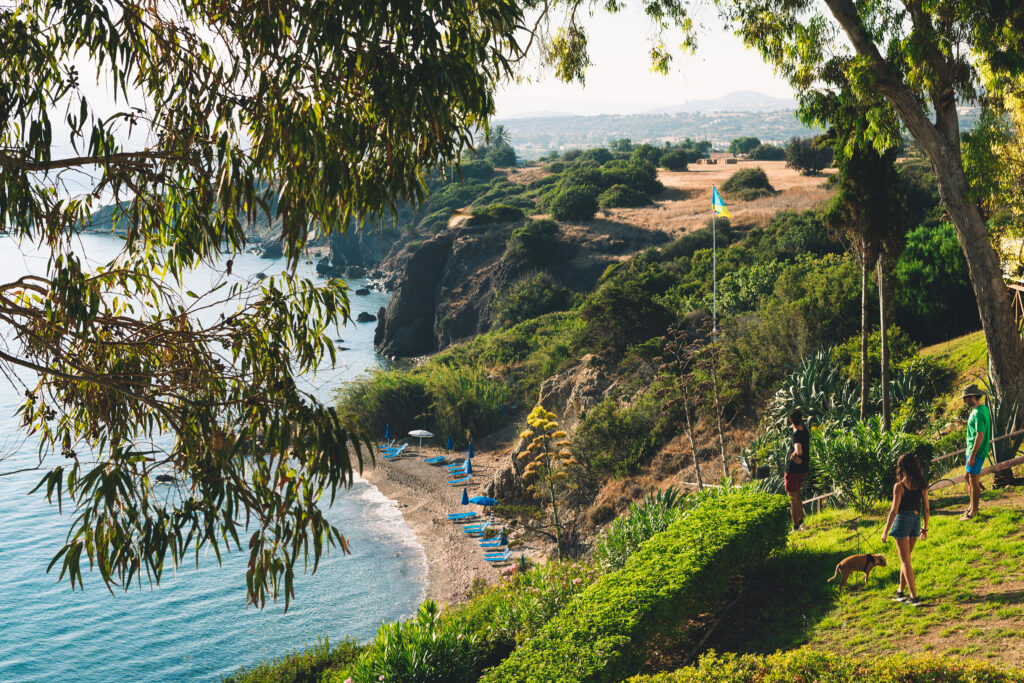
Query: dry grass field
x=685, y=205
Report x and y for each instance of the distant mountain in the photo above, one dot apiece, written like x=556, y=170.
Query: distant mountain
x=739, y=101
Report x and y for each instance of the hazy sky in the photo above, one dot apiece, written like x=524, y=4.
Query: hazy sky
x=620, y=80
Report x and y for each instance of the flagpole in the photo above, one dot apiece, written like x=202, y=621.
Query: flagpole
x=714, y=274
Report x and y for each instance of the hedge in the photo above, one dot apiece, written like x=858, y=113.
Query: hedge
x=676, y=575
x=807, y=665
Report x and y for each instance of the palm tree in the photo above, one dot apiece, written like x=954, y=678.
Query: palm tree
x=499, y=135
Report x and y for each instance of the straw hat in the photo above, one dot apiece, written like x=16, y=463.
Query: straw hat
x=972, y=390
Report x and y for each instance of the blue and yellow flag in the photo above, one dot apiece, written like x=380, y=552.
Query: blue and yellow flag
x=717, y=204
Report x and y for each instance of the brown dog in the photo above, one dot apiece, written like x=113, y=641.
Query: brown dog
x=857, y=563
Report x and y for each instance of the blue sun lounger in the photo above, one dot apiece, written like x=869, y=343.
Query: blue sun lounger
x=394, y=453
x=461, y=481
x=472, y=529
x=437, y=460
x=498, y=557
x=461, y=515
x=457, y=466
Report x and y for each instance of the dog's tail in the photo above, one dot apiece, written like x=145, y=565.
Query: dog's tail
x=834, y=576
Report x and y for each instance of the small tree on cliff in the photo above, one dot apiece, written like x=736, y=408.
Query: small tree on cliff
x=549, y=463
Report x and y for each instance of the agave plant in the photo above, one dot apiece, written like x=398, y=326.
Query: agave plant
x=819, y=390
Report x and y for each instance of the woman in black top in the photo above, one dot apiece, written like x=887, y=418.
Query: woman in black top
x=909, y=500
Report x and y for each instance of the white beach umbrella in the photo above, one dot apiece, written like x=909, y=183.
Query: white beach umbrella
x=420, y=434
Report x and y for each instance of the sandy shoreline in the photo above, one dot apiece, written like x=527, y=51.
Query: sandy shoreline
x=454, y=559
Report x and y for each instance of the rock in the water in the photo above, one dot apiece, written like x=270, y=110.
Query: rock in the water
x=164, y=479
x=273, y=250
x=362, y=291
x=355, y=271
x=365, y=317
x=260, y=275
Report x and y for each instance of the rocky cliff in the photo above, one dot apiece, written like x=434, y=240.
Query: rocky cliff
x=444, y=285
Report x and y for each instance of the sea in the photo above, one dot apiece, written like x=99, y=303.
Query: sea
x=194, y=626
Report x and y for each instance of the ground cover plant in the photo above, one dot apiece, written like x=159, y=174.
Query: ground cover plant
x=602, y=635
x=967, y=577
x=808, y=665
x=312, y=665
x=748, y=184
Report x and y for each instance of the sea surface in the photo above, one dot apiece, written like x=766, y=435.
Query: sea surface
x=195, y=626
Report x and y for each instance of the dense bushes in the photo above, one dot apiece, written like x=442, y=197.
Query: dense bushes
x=528, y=298
x=451, y=399
x=618, y=196
x=498, y=213
x=614, y=441
x=684, y=571
x=933, y=296
x=748, y=184
x=809, y=665
x=477, y=169
x=530, y=245
x=574, y=203
x=743, y=145
x=642, y=521
x=808, y=155
x=502, y=155
x=675, y=160
x=859, y=462
x=313, y=665
x=767, y=153
x=426, y=649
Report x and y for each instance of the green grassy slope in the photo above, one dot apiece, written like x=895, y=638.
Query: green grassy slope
x=967, y=572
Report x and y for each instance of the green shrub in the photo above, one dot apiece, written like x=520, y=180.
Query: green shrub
x=932, y=295
x=646, y=153
x=748, y=184
x=810, y=665
x=846, y=356
x=401, y=399
x=598, y=154
x=808, y=155
x=675, y=160
x=543, y=182
x=614, y=441
x=555, y=166
x=767, y=152
x=530, y=245
x=426, y=649
x=501, y=155
x=315, y=664
x=618, y=196
x=643, y=520
x=821, y=392
x=603, y=634
x=623, y=312
x=860, y=462
x=743, y=145
x=528, y=298
x=574, y=203
x=498, y=213
x=477, y=169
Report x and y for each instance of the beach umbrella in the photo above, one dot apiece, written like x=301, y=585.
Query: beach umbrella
x=482, y=500
x=469, y=466
x=470, y=451
x=420, y=434
x=387, y=432
x=522, y=563
x=465, y=497
x=450, y=447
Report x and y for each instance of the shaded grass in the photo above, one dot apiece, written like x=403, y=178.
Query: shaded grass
x=967, y=576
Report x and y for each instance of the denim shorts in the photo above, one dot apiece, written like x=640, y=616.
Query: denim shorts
x=907, y=525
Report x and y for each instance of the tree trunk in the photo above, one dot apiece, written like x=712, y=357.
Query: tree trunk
x=693, y=446
x=864, y=336
x=883, y=333
x=554, y=514
x=940, y=140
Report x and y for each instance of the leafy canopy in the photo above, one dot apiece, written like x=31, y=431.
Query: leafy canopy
x=195, y=119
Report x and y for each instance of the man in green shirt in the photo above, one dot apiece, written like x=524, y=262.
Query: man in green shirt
x=979, y=434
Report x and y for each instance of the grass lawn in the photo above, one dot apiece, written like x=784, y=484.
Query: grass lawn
x=968, y=575
x=964, y=355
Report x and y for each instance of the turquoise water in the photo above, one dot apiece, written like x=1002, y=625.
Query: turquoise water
x=194, y=626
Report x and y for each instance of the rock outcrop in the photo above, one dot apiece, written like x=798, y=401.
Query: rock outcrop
x=444, y=286
x=569, y=394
